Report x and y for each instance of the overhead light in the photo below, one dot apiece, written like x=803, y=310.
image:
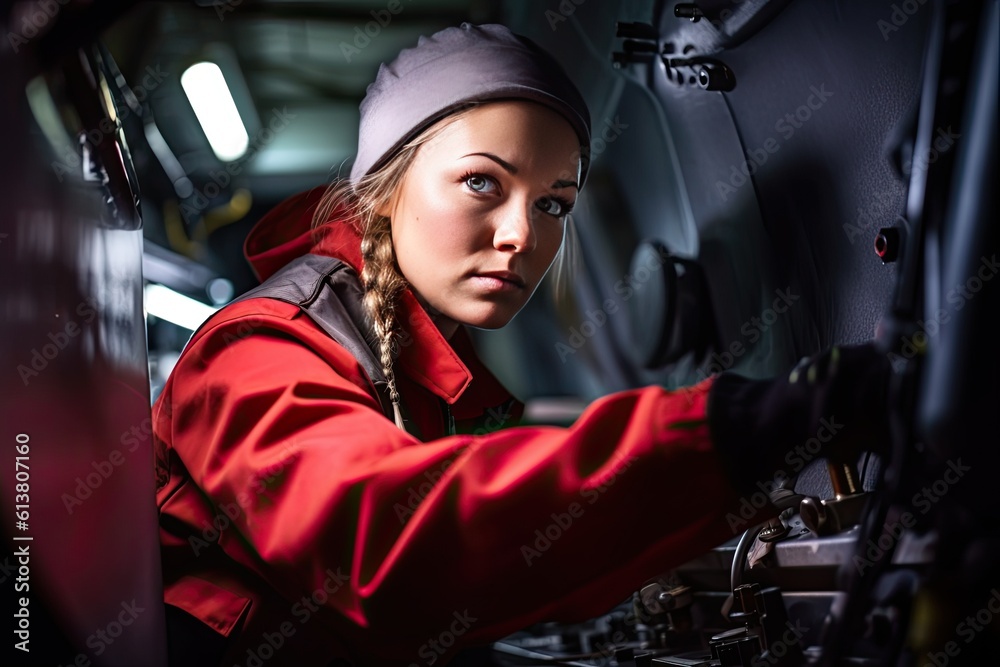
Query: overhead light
x=172, y=306
x=213, y=104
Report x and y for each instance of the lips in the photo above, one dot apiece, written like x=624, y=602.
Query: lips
x=506, y=276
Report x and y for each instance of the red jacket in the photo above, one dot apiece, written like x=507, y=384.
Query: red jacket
x=298, y=521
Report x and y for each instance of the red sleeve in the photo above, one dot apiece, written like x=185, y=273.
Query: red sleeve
x=510, y=528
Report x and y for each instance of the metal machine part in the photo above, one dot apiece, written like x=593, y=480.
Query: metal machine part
x=671, y=310
x=78, y=387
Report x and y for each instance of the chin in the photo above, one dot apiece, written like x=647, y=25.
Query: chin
x=486, y=316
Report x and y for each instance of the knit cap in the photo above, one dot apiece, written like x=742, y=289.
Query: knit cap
x=450, y=69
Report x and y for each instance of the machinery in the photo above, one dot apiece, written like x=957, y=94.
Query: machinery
x=881, y=561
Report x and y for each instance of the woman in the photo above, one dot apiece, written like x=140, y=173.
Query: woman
x=316, y=500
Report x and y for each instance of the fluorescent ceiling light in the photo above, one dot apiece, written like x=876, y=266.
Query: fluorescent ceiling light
x=216, y=110
x=174, y=307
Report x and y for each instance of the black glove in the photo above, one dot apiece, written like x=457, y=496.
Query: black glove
x=832, y=405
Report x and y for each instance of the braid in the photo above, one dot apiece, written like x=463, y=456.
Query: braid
x=383, y=285
x=361, y=201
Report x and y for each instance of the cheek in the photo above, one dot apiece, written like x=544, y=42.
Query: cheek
x=443, y=225
x=414, y=219
x=431, y=237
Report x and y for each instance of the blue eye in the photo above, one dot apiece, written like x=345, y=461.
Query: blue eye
x=480, y=183
x=554, y=206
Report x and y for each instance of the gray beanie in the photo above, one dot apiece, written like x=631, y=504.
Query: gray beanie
x=451, y=69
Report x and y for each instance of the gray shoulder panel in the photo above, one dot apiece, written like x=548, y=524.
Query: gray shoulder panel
x=329, y=292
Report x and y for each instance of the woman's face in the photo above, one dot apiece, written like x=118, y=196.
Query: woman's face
x=479, y=215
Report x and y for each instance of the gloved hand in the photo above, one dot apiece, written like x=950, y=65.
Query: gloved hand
x=833, y=404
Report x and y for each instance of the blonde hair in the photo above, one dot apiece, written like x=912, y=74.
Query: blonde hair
x=380, y=277
x=381, y=280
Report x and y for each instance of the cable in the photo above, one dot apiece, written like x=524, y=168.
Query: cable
x=740, y=555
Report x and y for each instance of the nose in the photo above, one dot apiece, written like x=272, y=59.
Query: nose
x=515, y=231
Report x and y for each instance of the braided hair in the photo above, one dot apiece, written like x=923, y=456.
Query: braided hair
x=380, y=277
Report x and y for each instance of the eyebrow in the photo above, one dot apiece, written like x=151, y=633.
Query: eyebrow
x=499, y=160
x=513, y=170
